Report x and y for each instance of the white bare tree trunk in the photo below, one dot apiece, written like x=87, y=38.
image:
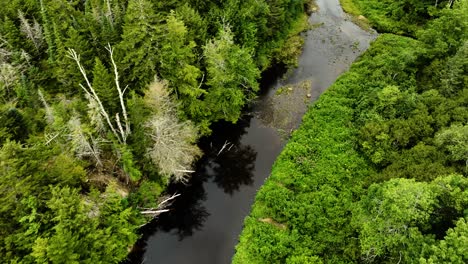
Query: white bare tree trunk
x=121, y=133
x=161, y=207
x=121, y=94
x=49, y=113
x=92, y=93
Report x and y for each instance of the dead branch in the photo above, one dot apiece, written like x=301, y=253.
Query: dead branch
x=155, y=212
x=161, y=206
x=73, y=55
x=121, y=94
x=119, y=125
x=50, y=138
x=201, y=82
x=186, y=171
x=32, y=31
x=226, y=144
x=49, y=114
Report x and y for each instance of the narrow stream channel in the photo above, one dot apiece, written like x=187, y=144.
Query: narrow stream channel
x=206, y=220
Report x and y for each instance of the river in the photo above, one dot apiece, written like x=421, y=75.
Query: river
x=206, y=220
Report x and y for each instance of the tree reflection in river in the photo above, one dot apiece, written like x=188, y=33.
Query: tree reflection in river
x=186, y=216
x=230, y=168
x=188, y=213
x=234, y=168
x=228, y=162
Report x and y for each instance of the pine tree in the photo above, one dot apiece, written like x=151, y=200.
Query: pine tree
x=138, y=49
x=103, y=83
x=85, y=232
x=65, y=70
x=196, y=25
x=104, y=21
x=178, y=66
x=11, y=36
x=232, y=77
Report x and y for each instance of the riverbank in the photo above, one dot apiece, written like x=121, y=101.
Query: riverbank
x=350, y=7
x=365, y=176
x=311, y=188
x=211, y=209
x=103, y=103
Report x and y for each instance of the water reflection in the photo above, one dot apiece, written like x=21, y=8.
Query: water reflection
x=234, y=168
x=226, y=162
x=188, y=213
x=226, y=181
x=229, y=163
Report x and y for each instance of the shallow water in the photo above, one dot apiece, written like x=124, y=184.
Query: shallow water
x=206, y=220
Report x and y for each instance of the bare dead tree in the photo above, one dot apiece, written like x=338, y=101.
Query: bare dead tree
x=109, y=14
x=162, y=206
x=173, y=149
x=89, y=90
x=81, y=145
x=10, y=72
x=49, y=113
x=95, y=115
x=9, y=75
x=32, y=31
x=121, y=95
x=5, y=54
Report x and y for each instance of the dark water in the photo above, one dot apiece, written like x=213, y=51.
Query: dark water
x=206, y=220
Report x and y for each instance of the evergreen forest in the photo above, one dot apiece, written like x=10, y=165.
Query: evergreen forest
x=102, y=105
x=377, y=172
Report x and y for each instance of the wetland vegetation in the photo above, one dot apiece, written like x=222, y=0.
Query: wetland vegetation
x=377, y=170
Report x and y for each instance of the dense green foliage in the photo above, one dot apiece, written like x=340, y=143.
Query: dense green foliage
x=377, y=170
x=400, y=17
x=102, y=103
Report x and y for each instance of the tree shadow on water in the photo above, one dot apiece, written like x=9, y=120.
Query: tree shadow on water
x=226, y=161
x=229, y=163
x=187, y=215
x=234, y=168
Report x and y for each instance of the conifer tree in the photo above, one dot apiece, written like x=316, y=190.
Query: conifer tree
x=65, y=70
x=10, y=34
x=104, y=21
x=62, y=21
x=103, y=83
x=249, y=19
x=196, y=25
x=76, y=236
x=178, y=66
x=232, y=77
x=138, y=48
x=48, y=32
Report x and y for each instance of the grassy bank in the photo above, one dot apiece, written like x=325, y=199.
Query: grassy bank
x=376, y=172
x=397, y=17
x=316, y=179
x=351, y=8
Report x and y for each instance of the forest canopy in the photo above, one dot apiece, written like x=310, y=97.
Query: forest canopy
x=377, y=171
x=102, y=104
